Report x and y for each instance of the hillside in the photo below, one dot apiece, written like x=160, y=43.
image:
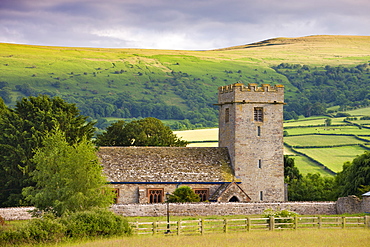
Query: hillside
x=182, y=85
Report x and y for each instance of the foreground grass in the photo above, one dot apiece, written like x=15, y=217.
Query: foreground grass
x=325, y=237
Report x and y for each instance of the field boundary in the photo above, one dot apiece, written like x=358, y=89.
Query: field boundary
x=206, y=226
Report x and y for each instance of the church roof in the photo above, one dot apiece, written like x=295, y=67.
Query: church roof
x=166, y=164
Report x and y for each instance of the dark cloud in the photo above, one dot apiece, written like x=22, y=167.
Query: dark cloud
x=181, y=24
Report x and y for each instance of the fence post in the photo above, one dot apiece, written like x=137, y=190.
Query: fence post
x=295, y=222
x=367, y=221
x=249, y=226
x=343, y=222
x=179, y=227
x=154, y=224
x=202, y=226
x=272, y=223
x=225, y=225
x=320, y=221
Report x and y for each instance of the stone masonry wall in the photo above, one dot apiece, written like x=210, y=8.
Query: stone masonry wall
x=197, y=209
x=343, y=205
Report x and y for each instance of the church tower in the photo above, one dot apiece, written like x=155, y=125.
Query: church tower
x=251, y=127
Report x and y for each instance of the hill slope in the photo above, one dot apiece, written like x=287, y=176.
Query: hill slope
x=168, y=84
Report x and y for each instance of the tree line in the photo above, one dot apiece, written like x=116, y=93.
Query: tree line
x=354, y=179
x=318, y=88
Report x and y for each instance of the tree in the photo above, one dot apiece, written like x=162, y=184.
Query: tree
x=144, y=132
x=291, y=172
x=21, y=132
x=312, y=187
x=355, y=176
x=68, y=177
x=184, y=194
x=114, y=136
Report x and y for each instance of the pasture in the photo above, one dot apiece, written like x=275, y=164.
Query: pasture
x=324, y=237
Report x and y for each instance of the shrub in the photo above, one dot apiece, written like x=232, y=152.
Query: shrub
x=184, y=194
x=280, y=214
x=48, y=229
x=97, y=222
x=41, y=230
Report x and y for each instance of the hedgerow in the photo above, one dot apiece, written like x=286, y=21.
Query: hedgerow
x=50, y=229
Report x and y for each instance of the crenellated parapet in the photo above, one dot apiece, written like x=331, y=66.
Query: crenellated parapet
x=251, y=87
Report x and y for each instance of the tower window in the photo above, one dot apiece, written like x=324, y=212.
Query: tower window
x=155, y=195
x=259, y=163
x=258, y=114
x=227, y=115
x=258, y=130
x=261, y=195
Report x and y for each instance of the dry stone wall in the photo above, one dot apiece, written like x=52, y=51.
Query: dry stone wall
x=343, y=205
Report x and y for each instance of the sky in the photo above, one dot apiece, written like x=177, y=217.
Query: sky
x=176, y=24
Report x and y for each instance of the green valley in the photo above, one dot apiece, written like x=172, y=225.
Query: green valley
x=317, y=71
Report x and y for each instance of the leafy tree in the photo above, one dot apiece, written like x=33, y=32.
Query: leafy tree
x=312, y=187
x=355, y=176
x=114, y=136
x=291, y=172
x=327, y=121
x=184, y=194
x=21, y=132
x=143, y=132
x=68, y=177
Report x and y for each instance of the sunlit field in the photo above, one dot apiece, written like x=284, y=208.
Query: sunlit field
x=324, y=237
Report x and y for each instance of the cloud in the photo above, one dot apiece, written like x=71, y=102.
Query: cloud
x=181, y=24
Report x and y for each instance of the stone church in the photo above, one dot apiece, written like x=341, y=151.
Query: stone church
x=247, y=166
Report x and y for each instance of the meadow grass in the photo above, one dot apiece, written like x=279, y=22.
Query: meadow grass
x=315, y=121
x=333, y=158
x=198, y=135
x=323, y=237
x=306, y=166
x=329, y=130
x=321, y=140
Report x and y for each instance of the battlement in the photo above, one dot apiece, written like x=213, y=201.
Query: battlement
x=252, y=87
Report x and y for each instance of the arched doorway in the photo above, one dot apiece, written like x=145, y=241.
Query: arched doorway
x=234, y=199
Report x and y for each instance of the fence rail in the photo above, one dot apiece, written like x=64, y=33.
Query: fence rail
x=204, y=226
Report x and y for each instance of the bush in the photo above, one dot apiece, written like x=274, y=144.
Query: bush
x=98, y=222
x=42, y=230
x=280, y=214
x=48, y=229
x=184, y=194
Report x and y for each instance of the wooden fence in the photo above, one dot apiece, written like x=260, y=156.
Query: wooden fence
x=204, y=226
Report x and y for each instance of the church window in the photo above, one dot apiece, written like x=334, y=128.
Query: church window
x=227, y=115
x=234, y=199
x=259, y=163
x=258, y=130
x=155, y=195
x=261, y=195
x=258, y=114
x=203, y=194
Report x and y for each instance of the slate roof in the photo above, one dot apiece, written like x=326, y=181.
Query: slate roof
x=166, y=164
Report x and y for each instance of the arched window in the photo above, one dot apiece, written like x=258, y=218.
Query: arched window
x=234, y=199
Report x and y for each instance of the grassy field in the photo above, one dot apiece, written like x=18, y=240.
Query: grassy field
x=325, y=237
x=321, y=140
x=333, y=158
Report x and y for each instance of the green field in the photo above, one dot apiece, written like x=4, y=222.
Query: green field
x=321, y=140
x=325, y=237
x=333, y=158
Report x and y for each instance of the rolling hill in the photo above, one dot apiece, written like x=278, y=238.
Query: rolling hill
x=182, y=85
